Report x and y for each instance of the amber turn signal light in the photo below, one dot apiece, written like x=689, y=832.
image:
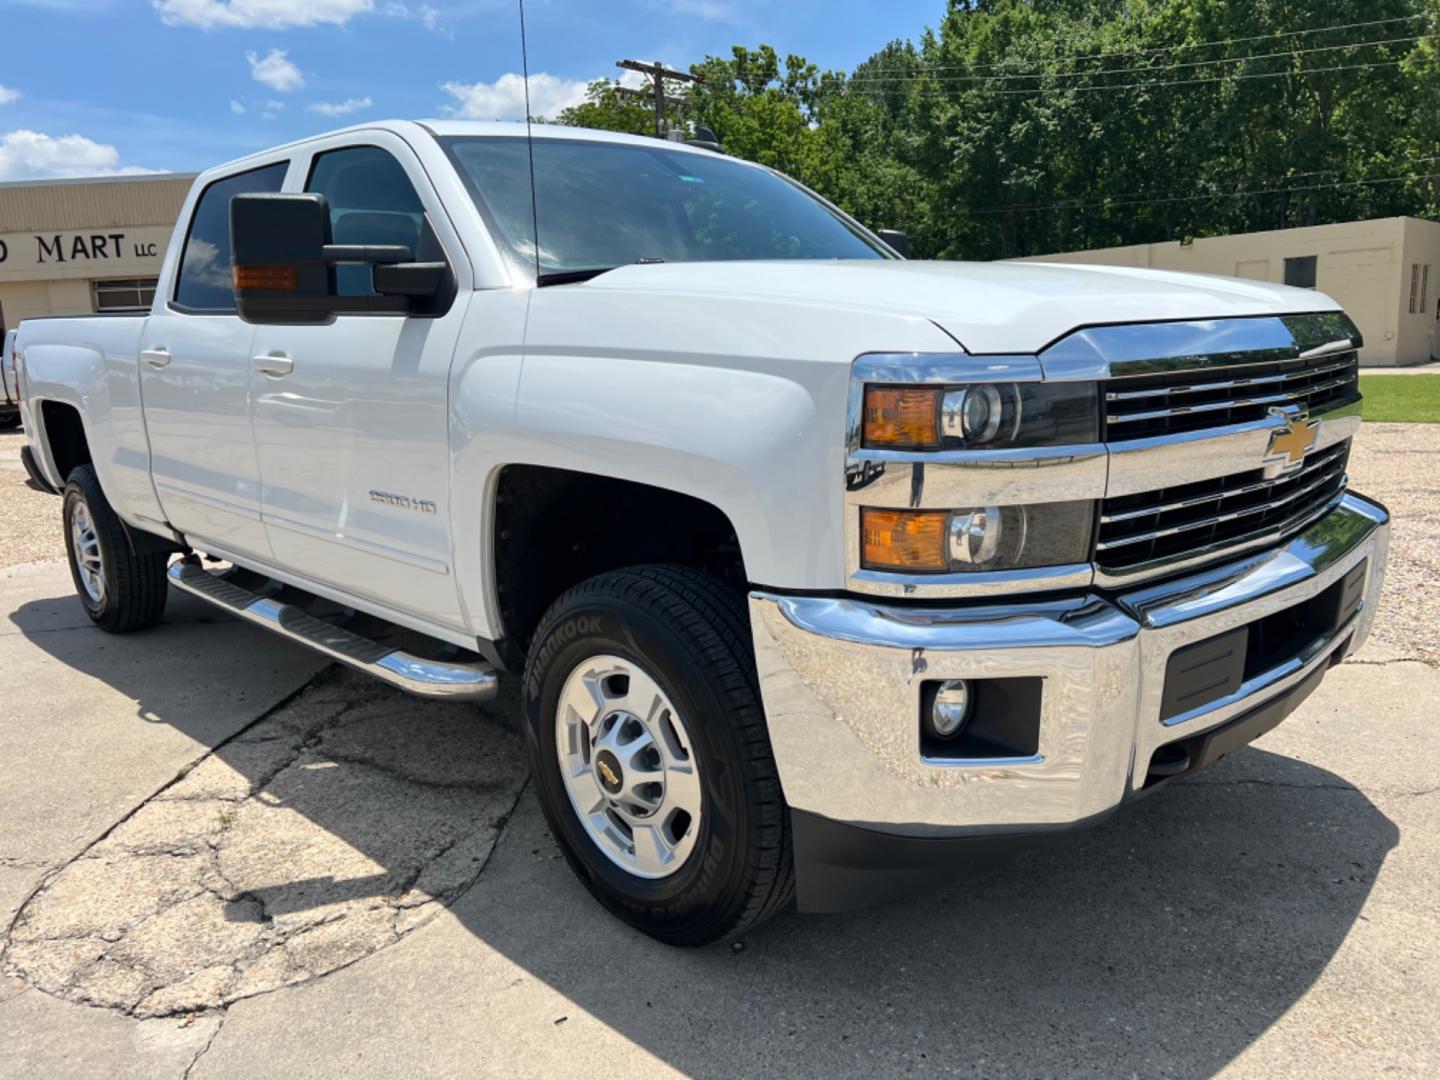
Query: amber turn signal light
x=902, y=417
x=277, y=278
x=912, y=540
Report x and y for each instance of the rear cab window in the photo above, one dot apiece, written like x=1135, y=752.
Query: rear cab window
x=204, y=284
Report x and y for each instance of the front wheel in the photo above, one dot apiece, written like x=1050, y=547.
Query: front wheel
x=651, y=757
x=119, y=589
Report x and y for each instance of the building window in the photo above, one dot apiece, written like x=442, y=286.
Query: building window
x=1300, y=271
x=134, y=294
x=1415, y=288
x=1424, y=289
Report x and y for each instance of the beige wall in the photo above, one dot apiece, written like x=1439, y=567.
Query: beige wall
x=57, y=237
x=1417, y=332
x=27, y=299
x=1364, y=265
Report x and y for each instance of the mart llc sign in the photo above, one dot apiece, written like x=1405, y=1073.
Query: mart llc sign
x=71, y=251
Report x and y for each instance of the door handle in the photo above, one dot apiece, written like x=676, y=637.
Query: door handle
x=156, y=357
x=275, y=364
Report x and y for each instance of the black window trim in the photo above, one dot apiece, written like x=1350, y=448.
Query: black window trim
x=173, y=304
x=453, y=283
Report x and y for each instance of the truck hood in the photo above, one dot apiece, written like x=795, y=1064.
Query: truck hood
x=1006, y=307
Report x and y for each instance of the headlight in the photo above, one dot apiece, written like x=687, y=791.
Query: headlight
x=980, y=416
x=979, y=538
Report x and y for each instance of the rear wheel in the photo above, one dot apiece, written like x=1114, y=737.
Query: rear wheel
x=119, y=589
x=650, y=754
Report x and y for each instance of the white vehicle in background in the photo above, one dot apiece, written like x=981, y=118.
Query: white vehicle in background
x=824, y=568
x=9, y=385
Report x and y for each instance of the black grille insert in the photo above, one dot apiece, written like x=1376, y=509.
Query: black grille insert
x=1143, y=406
x=1153, y=526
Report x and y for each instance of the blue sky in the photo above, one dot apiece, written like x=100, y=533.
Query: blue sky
x=90, y=87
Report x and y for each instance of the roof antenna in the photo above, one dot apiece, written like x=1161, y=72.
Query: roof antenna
x=530, y=141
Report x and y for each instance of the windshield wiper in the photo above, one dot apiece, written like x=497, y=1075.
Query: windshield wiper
x=566, y=277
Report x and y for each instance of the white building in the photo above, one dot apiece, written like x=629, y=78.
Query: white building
x=72, y=247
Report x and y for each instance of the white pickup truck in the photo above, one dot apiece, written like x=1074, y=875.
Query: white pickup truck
x=825, y=569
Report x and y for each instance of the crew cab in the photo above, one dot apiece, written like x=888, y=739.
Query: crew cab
x=823, y=569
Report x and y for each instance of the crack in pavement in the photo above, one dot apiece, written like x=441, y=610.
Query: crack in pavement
x=333, y=826
x=10, y=863
x=220, y=1023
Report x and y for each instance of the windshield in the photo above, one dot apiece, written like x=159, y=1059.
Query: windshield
x=603, y=204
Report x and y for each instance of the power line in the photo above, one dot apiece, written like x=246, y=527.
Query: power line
x=658, y=74
x=862, y=79
x=1156, y=49
x=1219, y=80
x=1155, y=201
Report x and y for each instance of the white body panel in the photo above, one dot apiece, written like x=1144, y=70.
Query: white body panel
x=725, y=381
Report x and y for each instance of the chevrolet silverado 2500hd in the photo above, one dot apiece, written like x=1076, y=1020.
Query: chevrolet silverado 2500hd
x=824, y=568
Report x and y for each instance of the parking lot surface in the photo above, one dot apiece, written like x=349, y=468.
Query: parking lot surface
x=219, y=855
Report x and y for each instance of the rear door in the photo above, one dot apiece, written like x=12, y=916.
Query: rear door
x=351, y=418
x=195, y=377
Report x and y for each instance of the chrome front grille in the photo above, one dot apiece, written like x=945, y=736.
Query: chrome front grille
x=1143, y=406
x=1191, y=519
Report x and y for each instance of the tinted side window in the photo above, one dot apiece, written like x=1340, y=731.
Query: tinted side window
x=205, y=281
x=371, y=202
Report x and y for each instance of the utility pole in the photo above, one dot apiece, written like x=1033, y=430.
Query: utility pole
x=657, y=74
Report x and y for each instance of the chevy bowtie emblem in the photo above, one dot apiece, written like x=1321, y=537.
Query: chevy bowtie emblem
x=1290, y=444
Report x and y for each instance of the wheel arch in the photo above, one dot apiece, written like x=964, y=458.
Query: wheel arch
x=62, y=439
x=536, y=552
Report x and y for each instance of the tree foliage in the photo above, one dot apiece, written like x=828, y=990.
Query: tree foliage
x=1017, y=127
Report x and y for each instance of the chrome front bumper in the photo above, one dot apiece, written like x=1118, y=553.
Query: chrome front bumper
x=841, y=682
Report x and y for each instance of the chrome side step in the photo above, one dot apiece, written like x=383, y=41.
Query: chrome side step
x=456, y=681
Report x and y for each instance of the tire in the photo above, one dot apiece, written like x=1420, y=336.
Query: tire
x=132, y=588
x=690, y=634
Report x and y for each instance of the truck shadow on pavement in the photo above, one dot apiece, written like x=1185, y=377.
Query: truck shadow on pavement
x=1166, y=940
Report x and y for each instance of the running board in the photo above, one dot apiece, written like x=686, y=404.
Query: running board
x=425, y=678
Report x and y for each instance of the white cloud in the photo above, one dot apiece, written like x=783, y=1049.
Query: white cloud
x=270, y=109
x=504, y=99
x=33, y=155
x=237, y=107
x=341, y=108
x=267, y=14
x=711, y=10
x=275, y=71
x=429, y=17
x=7, y=95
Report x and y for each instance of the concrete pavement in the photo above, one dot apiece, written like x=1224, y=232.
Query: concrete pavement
x=1275, y=914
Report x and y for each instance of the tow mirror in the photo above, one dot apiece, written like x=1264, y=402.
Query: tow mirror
x=897, y=240
x=284, y=264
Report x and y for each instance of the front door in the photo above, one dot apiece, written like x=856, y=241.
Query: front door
x=195, y=375
x=351, y=419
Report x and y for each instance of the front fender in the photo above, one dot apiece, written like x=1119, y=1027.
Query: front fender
x=747, y=415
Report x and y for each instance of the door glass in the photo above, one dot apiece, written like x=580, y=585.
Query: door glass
x=371, y=202
x=205, y=282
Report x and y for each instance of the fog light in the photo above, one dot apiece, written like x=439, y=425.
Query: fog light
x=951, y=708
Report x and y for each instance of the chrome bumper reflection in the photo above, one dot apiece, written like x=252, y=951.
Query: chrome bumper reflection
x=841, y=683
